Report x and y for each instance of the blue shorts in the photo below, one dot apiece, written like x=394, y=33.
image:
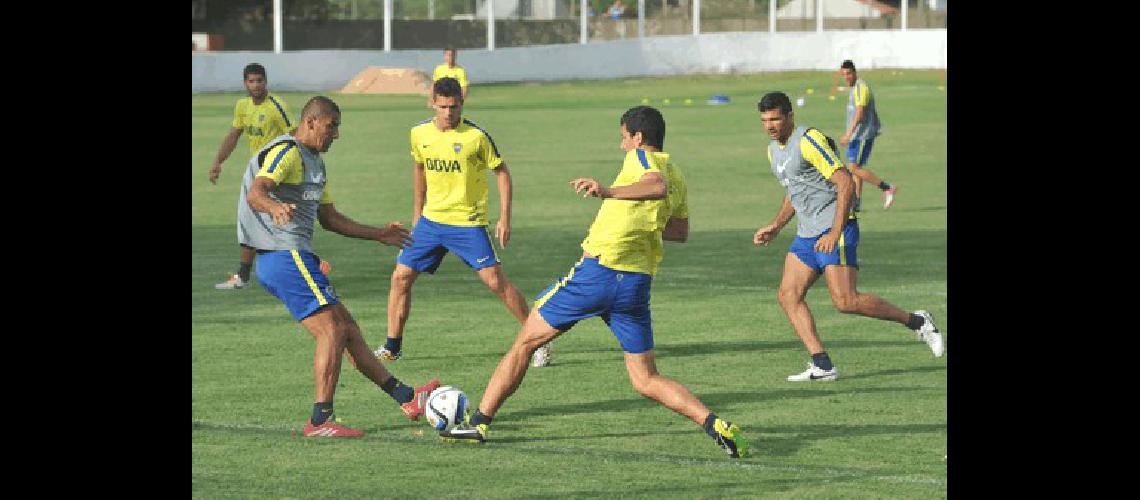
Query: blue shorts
x=295, y=278
x=842, y=255
x=859, y=150
x=590, y=289
x=433, y=240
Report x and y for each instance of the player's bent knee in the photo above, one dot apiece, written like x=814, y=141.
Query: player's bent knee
x=846, y=303
x=786, y=297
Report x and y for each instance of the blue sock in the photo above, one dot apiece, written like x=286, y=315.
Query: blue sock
x=822, y=360
x=915, y=322
x=399, y=391
x=710, y=424
x=321, y=412
x=393, y=345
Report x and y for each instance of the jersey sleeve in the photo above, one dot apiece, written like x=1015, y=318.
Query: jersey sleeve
x=239, y=113
x=415, y=152
x=814, y=148
x=282, y=164
x=461, y=75
x=281, y=112
x=326, y=195
x=489, y=152
x=438, y=73
x=862, y=94
x=638, y=163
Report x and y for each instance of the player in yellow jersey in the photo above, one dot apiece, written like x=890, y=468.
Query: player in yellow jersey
x=451, y=70
x=645, y=204
x=261, y=117
x=451, y=156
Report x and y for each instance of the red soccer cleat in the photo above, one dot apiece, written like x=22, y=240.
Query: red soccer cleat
x=331, y=429
x=414, y=408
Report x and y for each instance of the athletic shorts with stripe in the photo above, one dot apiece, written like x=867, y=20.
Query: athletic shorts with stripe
x=859, y=150
x=590, y=289
x=843, y=254
x=472, y=244
x=295, y=278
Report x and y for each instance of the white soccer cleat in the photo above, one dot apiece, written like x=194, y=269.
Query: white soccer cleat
x=542, y=356
x=234, y=283
x=814, y=374
x=930, y=334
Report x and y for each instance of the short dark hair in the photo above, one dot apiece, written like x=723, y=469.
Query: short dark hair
x=447, y=87
x=449, y=49
x=648, y=121
x=775, y=100
x=254, y=69
x=319, y=106
x=847, y=64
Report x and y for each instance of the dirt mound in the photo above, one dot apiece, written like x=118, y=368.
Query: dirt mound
x=377, y=80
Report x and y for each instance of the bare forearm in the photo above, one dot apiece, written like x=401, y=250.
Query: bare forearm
x=856, y=119
x=259, y=200
x=342, y=225
x=846, y=191
x=785, y=214
x=419, y=192
x=644, y=190
x=227, y=147
x=503, y=178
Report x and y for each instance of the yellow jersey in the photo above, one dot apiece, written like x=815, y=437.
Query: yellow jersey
x=262, y=122
x=626, y=234
x=455, y=166
x=457, y=73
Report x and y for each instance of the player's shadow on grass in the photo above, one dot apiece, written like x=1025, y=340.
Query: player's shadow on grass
x=719, y=400
x=789, y=439
x=889, y=373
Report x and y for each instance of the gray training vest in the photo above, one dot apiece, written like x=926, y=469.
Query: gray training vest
x=257, y=229
x=869, y=126
x=813, y=196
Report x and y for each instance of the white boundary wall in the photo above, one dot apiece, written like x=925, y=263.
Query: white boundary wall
x=330, y=70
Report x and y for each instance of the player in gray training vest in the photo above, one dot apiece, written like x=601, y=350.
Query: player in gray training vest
x=820, y=190
x=862, y=128
x=284, y=199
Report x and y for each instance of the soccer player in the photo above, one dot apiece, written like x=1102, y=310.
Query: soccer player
x=451, y=156
x=862, y=128
x=451, y=70
x=820, y=190
x=645, y=204
x=261, y=116
x=286, y=197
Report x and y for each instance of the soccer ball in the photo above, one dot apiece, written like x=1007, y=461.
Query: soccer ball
x=445, y=407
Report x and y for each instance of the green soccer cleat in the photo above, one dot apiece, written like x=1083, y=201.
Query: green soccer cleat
x=730, y=438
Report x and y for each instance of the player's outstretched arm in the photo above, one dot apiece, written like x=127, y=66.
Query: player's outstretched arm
x=229, y=142
x=394, y=234
x=651, y=186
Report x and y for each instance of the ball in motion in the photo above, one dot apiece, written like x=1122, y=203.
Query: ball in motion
x=326, y=267
x=800, y=102
x=445, y=408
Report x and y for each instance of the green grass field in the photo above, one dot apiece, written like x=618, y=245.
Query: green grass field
x=578, y=428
